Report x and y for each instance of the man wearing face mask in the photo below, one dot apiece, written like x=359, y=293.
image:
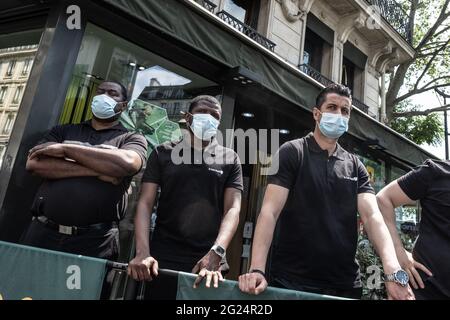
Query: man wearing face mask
x=87, y=170
x=198, y=208
x=315, y=196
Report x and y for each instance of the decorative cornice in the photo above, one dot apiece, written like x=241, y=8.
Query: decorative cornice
x=348, y=24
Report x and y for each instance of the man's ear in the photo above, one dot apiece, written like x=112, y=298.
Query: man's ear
x=316, y=113
x=188, y=117
x=124, y=105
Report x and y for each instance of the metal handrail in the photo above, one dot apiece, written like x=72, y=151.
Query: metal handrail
x=246, y=29
x=316, y=75
x=394, y=14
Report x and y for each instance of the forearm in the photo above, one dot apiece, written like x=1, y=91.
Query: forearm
x=142, y=229
x=56, y=168
x=262, y=240
x=228, y=227
x=114, y=163
x=388, y=212
x=380, y=238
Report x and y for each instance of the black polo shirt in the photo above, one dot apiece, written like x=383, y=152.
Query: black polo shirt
x=430, y=183
x=83, y=201
x=317, y=233
x=191, y=202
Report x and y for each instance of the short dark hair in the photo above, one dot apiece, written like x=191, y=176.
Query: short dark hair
x=122, y=88
x=339, y=89
x=204, y=99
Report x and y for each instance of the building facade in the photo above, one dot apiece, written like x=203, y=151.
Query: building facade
x=15, y=66
x=266, y=60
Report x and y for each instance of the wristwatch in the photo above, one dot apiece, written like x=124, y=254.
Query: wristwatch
x=399, y=276
x=219, y=250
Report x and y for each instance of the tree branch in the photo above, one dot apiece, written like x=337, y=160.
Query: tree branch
x=421, y=90
x=409, y=114
x=428, y=65
x=435, y=80
x=431, y=32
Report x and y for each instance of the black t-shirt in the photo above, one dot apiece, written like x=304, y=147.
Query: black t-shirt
x=316, y=237
x=430, y=183
x=81, y=201
x=191, y=202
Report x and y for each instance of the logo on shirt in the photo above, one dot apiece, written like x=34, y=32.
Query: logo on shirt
x=215, y=170
x=350, y=178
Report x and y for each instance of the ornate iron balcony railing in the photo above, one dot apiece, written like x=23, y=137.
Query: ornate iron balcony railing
x=394, y=14
x=313, y=73
x=360, y=105
x=316, y=75
x=247, y=30
x=208, y=5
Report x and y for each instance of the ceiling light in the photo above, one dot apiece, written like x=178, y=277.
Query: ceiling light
x=284, y=131
x=248, y=115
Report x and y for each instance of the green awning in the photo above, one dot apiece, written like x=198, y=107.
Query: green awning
x=177, y=20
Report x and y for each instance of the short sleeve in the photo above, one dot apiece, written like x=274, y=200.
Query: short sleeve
x=152, y=171
x=234, y=179
x=285, y=166
x=363, y=179
x=137, y=143
x=55, y=134
x=416, y=182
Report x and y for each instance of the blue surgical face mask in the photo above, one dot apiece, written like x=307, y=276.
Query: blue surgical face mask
x=333, y=125
x=204, y=126
x=103, y=106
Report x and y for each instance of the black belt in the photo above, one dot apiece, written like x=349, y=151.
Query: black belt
x=74, y=230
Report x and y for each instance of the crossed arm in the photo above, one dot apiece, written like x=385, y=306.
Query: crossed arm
x=50, y=160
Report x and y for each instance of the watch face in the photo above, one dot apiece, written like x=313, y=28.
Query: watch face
x=402, y=277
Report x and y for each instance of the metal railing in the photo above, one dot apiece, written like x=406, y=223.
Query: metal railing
x=247, y=30
x=316, y=75
x=360, y=105
x=208, y=5
x=394, y=14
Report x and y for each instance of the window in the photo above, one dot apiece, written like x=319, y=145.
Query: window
x=3, y=91
x=348, y=74
x=318, y=47
x=11, y=66
x=8, y=124
x=313, y=52
x=353, y=65
x=27, y=66
x=2, y=152
x=244, y=10
x=17, y=95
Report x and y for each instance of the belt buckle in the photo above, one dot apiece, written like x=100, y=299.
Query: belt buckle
x=65, y=230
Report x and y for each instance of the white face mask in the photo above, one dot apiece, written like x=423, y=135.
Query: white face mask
x=204, y=126
x=103, y=106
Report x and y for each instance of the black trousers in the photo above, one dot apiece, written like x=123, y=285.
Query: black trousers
x=102, y=244
x=353, y=293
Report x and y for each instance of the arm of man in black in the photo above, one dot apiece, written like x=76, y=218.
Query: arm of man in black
x=210, y=263
x=114, y=163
